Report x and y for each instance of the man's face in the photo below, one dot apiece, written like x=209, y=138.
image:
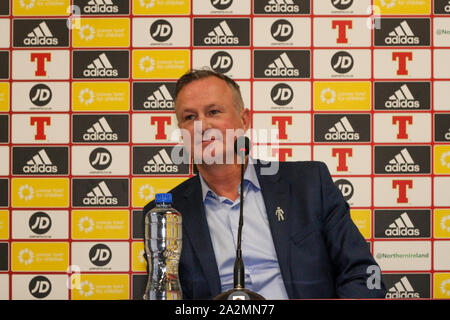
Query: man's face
x=205, y=109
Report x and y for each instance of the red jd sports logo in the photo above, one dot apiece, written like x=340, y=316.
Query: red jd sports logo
x=401, y=57
x=40, y=123
x=281, y=122
x=342, y=154
x=160, y=126
x=342, y=26
x=402, y=185
x=40, y=59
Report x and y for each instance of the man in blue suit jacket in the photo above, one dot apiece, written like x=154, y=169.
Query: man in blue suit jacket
x=317, y=249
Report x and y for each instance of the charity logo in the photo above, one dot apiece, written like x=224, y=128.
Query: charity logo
x=86, y=224
x=26, y=192
x=445, y=285
x=100, y=195
x=388, y=3
x=402, y=289
x=281, y=66
x=159, y=99
x=86, y=96
x=147, y=64
x=40, y=163
x=100, y=131
x=342, y=130
x=402, y=226
x=221, y=61
x=86, y=32
x=26, y=256
x=147, y=4
x=27, y=4
x=40, y=222
x=342, y=62
x=282, y=30
x=146, y=192
x=328, y=96
x=161, y=30
x=445, y=223
x=100, y=67
x=282, y=94
x=445, y=159
x=100, y=6
x=100, y=158
x=40, y=287
x=41, y=36
x=86, y=289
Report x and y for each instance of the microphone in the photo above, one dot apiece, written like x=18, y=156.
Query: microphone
x=239, y=292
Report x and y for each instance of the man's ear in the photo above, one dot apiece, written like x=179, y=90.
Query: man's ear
x=245, y=118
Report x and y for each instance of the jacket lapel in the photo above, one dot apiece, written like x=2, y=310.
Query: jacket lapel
x=197, y=230
x=276, y=196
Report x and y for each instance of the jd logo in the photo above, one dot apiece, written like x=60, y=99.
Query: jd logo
x=40, y=287
x=100, y=255
x=282, y=94
x=342, y=62
x=40, y=95
x=346, y=188
x=221, y=62
x=342, y=4
x=100, y=158
x=40, y=222
x=161, y=30
x=221, y=4
x=281, y=30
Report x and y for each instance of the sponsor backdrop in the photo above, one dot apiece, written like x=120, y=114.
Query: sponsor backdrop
x=88, y=132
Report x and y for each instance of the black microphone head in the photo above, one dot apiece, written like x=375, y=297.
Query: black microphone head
x=242, y=146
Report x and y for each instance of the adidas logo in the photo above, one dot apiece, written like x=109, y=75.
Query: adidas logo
x=161, y=163
x=100, y=67
x=160, y=98
x=40, y=163
x=402, y=99
x=402, y=226
x=342, y=130
x=402, y=34
x=100, y=131
x=100, y=6
x=221, y=34
x=447, y=135
x=402, y=289
x=285, y=6
x=41, y=35
x=282, y=66
x=402, y=162
x=100, y=195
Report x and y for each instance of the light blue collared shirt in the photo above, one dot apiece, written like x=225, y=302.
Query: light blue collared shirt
x=262, y=272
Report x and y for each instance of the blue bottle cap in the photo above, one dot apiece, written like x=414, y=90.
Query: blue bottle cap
x=163, y=197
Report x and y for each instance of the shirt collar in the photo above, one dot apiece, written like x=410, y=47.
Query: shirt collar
x=249, y=177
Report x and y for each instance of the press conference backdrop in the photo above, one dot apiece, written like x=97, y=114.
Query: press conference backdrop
x=86, y=119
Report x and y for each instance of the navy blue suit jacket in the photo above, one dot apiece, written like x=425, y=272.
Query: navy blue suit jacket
x=320, y=251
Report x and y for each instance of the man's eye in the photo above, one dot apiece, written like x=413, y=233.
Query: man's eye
x=189, y=117
x=213, y=112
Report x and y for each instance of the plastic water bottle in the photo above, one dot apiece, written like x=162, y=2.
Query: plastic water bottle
x=163, y=228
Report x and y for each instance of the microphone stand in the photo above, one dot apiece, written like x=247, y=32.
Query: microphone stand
x=239, y=292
